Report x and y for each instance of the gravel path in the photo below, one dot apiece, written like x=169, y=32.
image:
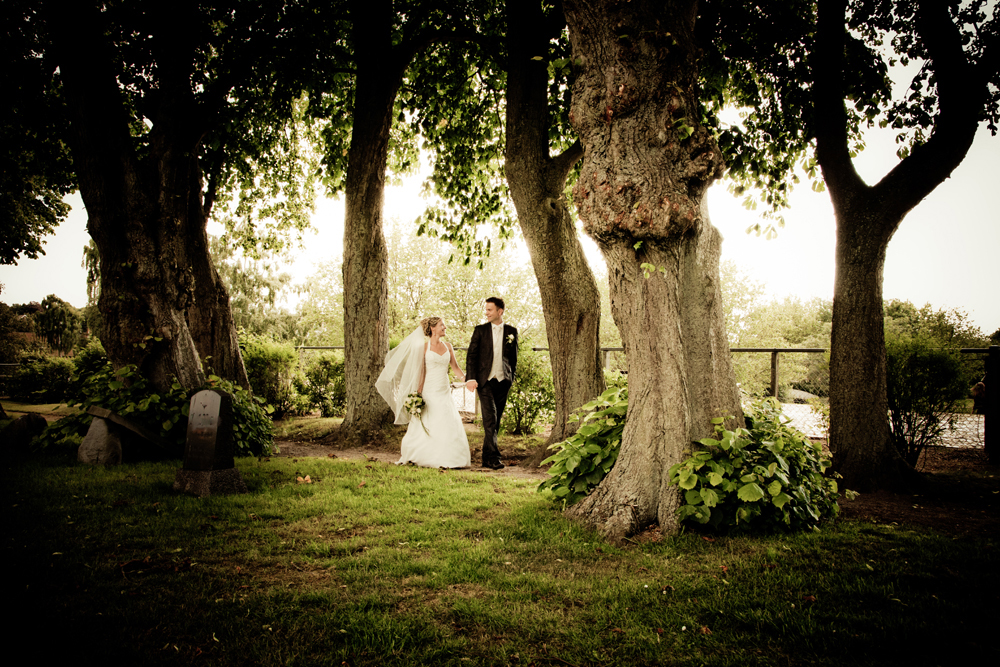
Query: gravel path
x=968, y=429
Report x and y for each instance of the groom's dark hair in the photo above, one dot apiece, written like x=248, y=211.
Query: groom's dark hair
x=496, y=301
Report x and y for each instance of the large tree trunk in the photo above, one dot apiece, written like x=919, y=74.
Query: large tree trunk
x=366, y=258
x=867, y=217
x=570, y=300
x=647, y=166
x=858, y=400
x=162, y=303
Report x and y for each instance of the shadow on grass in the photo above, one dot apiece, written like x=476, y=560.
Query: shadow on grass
x=374, y=564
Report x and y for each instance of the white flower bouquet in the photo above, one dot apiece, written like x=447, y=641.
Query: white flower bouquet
x=415, y=405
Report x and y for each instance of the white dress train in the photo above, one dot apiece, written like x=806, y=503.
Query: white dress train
x=444, y=443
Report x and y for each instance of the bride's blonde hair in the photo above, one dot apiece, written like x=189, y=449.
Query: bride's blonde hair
x=429, y=323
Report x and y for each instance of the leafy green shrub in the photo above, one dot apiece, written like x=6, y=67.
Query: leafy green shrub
x=585, y=458
x=12, y=324
x=41, y=380
x=271, y=367
x=532, y=397
x=615, y=379
x=766, y=476
x=924, y=383
x=324, y=385
x=89, y=359
x=129, y=394
x=253, y=431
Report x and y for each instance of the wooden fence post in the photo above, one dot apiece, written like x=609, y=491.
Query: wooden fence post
x=991, y=437
x=774, y=373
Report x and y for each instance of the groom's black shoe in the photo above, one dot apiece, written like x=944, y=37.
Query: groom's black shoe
x=495, y=465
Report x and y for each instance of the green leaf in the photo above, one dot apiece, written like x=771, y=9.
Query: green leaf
x=750, y=493
x=710, y=497
x=688, y=480
x=780, y=500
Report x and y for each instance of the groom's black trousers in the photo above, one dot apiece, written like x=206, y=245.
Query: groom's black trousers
x=493, y=400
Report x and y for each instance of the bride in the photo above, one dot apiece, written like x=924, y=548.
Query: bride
x=436, y=438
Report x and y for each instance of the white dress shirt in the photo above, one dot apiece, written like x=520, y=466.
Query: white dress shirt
x=497, y=370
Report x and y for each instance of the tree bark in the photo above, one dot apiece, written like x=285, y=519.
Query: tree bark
x=867, y=217
x=647, y=166
x=366, y=337
x=164, y=308
x=570, y=300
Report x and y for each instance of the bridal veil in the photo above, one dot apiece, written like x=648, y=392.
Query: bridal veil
x=401, y=375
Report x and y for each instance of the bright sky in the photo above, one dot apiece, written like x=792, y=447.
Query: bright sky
x=946, y=252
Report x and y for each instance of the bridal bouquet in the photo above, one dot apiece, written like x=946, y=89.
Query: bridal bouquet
x=415, y=405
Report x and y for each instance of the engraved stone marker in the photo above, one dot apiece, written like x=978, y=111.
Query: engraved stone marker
x=208, y=454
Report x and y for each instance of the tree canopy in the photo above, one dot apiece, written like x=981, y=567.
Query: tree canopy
x=35, y=165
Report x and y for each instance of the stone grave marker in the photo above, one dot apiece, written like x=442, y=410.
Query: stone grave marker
x=209, y=467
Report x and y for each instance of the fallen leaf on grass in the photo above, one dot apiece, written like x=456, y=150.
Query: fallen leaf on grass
x=361, y=484
x=704, y=630
x=304, y=480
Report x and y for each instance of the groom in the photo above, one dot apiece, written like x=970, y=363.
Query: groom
x=490, y=366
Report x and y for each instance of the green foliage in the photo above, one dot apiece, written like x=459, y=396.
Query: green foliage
x=41, y=380
x=60, y=323
x=252, y=426
x=585, y=458
x=532, y=397
x=423, y=282
x=272, y=367
x=35, y=164
x=127, y=393
x=324, y=386
x=256, y=286
x=923, y=384
x=767, y=476
x=11, y=324
x=763, y=62
x=754, y=321
x=939, y=328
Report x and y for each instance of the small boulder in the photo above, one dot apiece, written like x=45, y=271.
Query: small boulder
x=101, y=445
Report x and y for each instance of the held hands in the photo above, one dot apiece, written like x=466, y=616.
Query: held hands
x=471, y=385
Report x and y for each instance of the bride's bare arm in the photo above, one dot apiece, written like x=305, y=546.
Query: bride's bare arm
x=454, y=363
x=423, y=370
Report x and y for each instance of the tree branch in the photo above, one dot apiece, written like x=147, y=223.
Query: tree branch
x=562, y=164
x=832, y=151
x=962, y=93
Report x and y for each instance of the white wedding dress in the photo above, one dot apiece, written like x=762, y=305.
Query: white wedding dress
x=444, y=443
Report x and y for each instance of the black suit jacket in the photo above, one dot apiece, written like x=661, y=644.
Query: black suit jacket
x=479, y=359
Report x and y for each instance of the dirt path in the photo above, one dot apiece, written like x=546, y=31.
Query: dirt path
x=298, y=450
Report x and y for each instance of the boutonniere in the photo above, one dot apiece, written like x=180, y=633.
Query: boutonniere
x=510, y=338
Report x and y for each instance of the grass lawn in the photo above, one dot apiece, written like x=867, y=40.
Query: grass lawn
x=374, y=564
x=15, y=409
